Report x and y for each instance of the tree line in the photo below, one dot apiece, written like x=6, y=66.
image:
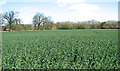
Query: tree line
x=11, y=22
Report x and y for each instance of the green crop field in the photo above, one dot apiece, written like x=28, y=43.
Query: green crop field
x=60, y=49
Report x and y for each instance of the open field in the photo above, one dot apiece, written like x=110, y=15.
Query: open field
x=63, y=49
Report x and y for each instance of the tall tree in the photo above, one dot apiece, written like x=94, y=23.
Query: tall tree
x=17, y=21
x=38, y=20
x=35, y=21
x=47, y=21
x=10, y=16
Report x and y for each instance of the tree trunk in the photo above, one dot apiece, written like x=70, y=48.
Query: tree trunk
x=10, y=27
x=35, y=27
x=38, y=26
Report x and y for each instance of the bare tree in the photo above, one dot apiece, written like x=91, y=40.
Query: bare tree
x=35, y=21
x=17, y=21
x=38, y=19
x=45, y=20
x=10, y=16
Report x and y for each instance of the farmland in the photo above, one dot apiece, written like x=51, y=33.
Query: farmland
x=60, y=49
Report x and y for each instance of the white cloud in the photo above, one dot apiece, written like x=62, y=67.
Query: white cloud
x=62, y=3
x=27, y=13
x=82, y=10
x=78, y=5
x=69, y=1
x=22, y=9
x=84, y=7
x=2, y=2
x=83, y=17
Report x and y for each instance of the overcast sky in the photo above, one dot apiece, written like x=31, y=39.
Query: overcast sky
x=63, y=10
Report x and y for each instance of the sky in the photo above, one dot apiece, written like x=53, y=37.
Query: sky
x=63, y=10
